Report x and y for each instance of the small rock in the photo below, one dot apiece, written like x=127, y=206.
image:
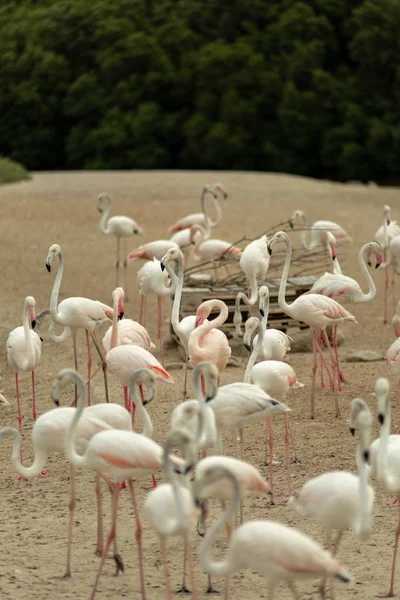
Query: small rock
x=363, y=356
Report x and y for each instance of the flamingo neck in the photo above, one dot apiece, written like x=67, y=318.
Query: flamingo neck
x=143, y=414
x=386, y=479
x=172, y=477
x=56, y=289
x=223, y=567
x=28, y=333
x=103, y=221
x=371, y=285
x=207, y=326
x=364, y=523
x=304, y=233
x=282, y=288
x=207, y=220
x=177, y=282
x=114, y=326
x=218, y=210
x=70, y=452
x=255, y=353
x=38, y=463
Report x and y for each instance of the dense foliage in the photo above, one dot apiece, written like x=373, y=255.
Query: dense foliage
x=309, y=87
x=11, y=171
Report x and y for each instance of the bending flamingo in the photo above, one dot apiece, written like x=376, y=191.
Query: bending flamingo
x=74, y=314
x=210, y=250
x=121, y=227
x=200, y=218
x=277, y=552
x=318, y=230
x=313, y=309
x=24, y=348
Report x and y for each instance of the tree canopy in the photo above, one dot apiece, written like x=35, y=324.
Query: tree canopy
x=307, y=87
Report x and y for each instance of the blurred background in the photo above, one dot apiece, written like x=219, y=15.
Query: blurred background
x=309, y=88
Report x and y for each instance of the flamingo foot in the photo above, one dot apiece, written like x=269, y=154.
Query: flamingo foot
x=342, y=377
x=66, y=575
x=42, y=474
x=153, y=484
x=119, y=565
x=211, y=590
x=19, y=479
x=183, y=590
x=395, y=502
x=271, y=503
x=122, y=486
x=389, y=594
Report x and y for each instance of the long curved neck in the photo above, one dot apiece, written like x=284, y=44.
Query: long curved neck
x=250, y=301
x=223, y=567
x=30, y=356
x=177, y=281
x=218, y=211
x=105, y=215
x=143, y=414
x=207, y=222
x=72, y=455
x=38, y=463
x=282, y=288
x=176, y=486
x=371, y=285
x=255, y=353
x=386, y=479
x=56, y=288
x=207, y=326
x=114, y=330
x=304, y=234
x=364, y=523
x=198, y=239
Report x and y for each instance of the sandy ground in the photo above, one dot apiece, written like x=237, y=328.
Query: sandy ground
x=61, y=207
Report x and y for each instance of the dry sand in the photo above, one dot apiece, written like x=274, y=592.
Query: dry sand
x=61, y=207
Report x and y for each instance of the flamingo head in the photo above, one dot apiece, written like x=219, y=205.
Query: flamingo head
x=3, y=401
x=30, y=305
x=386, y=213
x=61, y=381
x=137, y=230
x=118, y=295
x=298, y=214
x=193, y=231
x=210, y=375
x=382, y=392
x=263, y=296
x=280, y=236
x=356, y=408
x=250, y=327
x=100, y=198
x=220, y=188
x=143, y=378
x=331, y=241
x=54, y=250
x=173, y=255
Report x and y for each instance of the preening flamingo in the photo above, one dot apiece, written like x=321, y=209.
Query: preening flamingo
x=275, y=378
x=121, y=227
x=125, y=455
x=384, y=235
x=206, y=342
x=74, y=314
x=316, y=311
x=24, y=348
x=214, y=249
x=152, y=280
x=170, y=508
x=155, y=249
x=254, y=262
x=346, y=289
x=182, y=238
x=277, y=552
x=200, y=218
x=339, y=500
x=318, y=230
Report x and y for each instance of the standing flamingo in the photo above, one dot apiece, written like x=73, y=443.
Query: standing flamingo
x=313, y=309
x=125, y=455
x=152, y=280
x=170, y=508
x=24, y=348
x=121, y=227
x=392, y=356
x=74, y=314
x=384, y=235
x=339, y=500
x=318, y=230
x=393, y=260
x=206, y=342
x=276, y=551
x=201, y=218
x=210, y=249
x=254, y=262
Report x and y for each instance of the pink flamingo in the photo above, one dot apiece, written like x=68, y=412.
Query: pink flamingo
x=125, y=455
x=316, y=311
x=155, y=249
x=254, y=262
x=384, y=235
x=152, y=280
x=121, y=227
x=206, y=249
x=278, y=552
x=201, y=218
x=393, y=260
x=24, y=348
x=340, y=500
x=48, y=436
x=74, y=314
x=346, y=289
x=318, y=230
x=275, y=378
x=392, y=356
x=170, y=508
x=206, y=342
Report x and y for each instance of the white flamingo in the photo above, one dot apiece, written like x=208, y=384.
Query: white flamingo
x=200, y=218
x=384, y=235
x=318, y=230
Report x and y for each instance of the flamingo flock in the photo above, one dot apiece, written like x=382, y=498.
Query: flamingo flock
x=114, y=439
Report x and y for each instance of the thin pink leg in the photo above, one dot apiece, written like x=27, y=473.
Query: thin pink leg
x=341, y=377
x=138, y=538
x=33, y=397
x=167, y=574
x=19, y=411
x=314, y=372
x=287, y=436
x=271, y=459
x=393, y=292
x=142, y=314
x=324, y=363
x=334, y=367
x=160, y=329
x=103, y=362
x=153, y=479
x=72, y=506
x=110, y=538
x=100, y=534
x=386, y=295
x=89, y=365
x=390, y=593
x=191, y=570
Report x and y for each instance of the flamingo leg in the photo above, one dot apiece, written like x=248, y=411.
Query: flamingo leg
x=192, y=577
x=153, y=479
x=185, y=378
x=167, y=574
x=72, y=506
x=100, y=535
x=227, y=270
x=33, y=397
x=75, y=363
x=271, y=459
x=125, y=270
x=386, y=295
x=118, y=261
x=110, y=537
x=294, y=591
x=287, y=436
x=160, y=329
x=19, y=415
x=183, y=589
x=341, y=377
x=138, y=536
x=390, y=593
x=334, y=366
x=324, y=363
x=142, y=313
x=335, y=549
x=314, y=372
x=89, y=365
x=241, y=431
x=103, y=363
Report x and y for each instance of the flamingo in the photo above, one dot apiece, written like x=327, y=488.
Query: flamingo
x=200, y=218
x=384, y=235
x=315, y=310
x=185, y=415
x=206, y=342
x=346, y=289
x=74, y=314
x=121, y=227
x=152, y=280
x=339, y=500
x=275, y=378
x=393, y=260
x=125, y=455
x=48, y=436
x=392, y=356
x=317, y=230
x=254, y=262
x=155, y=249
x=182, y=238
x=24, y=348
x=276, y=551
x=170, y=508
x=214, y=249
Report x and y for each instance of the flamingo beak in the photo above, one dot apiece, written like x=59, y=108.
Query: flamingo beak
x=162, y=265
x=352, y=430
x=121, y=308
x=333, y=248
x=199, y=321
x=269, y=249
x=262, y=312
x=247, y=346
x=48, y=267
x=379, y=260
x=32, y=314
